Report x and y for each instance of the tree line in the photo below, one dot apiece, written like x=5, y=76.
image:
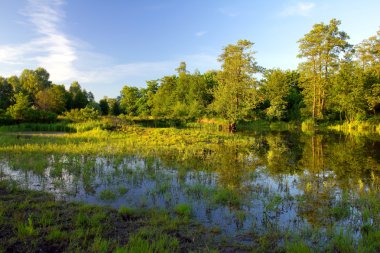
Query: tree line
x=335, y=81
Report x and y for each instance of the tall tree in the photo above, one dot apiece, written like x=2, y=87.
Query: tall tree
x=368, y=51
x=33, y=81
x=234, y=96
x=78, y=98
x=321, y=48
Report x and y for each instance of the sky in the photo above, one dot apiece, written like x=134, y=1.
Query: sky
x=108, y=44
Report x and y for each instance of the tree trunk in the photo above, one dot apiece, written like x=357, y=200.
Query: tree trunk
x=232, y=127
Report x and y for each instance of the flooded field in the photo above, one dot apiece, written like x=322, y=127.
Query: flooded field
x=316, y=187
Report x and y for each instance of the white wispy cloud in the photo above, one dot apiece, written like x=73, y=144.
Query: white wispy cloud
x=50, y=48
x=68, y=59
x=200, y=33
x=299, y=9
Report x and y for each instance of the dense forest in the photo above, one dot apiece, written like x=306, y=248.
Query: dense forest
x=335, y=81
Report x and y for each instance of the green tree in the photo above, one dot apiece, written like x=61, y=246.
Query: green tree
x=114, y=106
x=77, y=98
x=165, y=99
x=373, y=97
x=14, y=81
x=128, y=100
x=234, y=96
x=347, y=93
x=145, y=102
x=21, y=109
x=6, y=93
x=33, y=81
x=276, y=88
x=104, y=107
x=320, y=48
x=52, y=99
x=368, y=51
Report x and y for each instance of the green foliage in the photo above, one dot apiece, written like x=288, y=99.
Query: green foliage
x=227, y=197
x=321, y=48
x=347, y=91
x=152, y=243
x=56, y=235
x=52, y=99
x=6, y=93
x=104, y=107
x=33, y=81
x=128, y=100
x=333, y=83
x=297, y=247
x=235, y=93
x=342, y=243
x=127, y=211
x=26, y=230
x=21, y=109
x=276, y=88
x=81, y=115
x=184, y=210
x=107, y=195
x=78, y=98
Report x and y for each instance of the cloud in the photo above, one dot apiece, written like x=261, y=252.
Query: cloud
x=51, y=48
x=200, y=33
x=299, y=9
x=68, y=59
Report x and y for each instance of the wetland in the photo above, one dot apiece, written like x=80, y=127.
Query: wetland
x=249, y=191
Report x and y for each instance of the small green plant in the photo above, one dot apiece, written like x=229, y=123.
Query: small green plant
x=47, y=218
x=82, y=220
x=154, y=243
x=297, y=247
x=56, y=235
x=26, y=230
x=127, y=211
x=342, y=243
x=107, y=195
x=227, y=197
x=100, y=245
x=123, y=190
x=184, y=210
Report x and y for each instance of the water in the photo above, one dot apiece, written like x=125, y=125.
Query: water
x=282, y=181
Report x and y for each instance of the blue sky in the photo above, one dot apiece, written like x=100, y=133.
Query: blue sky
x=108, y=44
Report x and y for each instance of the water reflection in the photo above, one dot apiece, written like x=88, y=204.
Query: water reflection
x=279, y=181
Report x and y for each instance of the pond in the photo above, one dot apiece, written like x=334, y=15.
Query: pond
x=310, y=184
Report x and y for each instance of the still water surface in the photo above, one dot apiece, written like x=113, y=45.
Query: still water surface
x=286, y=181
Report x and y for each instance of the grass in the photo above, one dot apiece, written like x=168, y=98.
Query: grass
x=25, y=230
x=88, y=228
x=146, y=241
x=210, y=168
x=107, y=195
x=183, y=210
x=227, y=197
x=297, y=247
x=127, y=211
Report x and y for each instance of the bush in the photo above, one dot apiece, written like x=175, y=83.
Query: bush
x=85, y=114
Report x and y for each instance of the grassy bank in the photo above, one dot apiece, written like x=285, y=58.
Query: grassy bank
x=33, y=221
